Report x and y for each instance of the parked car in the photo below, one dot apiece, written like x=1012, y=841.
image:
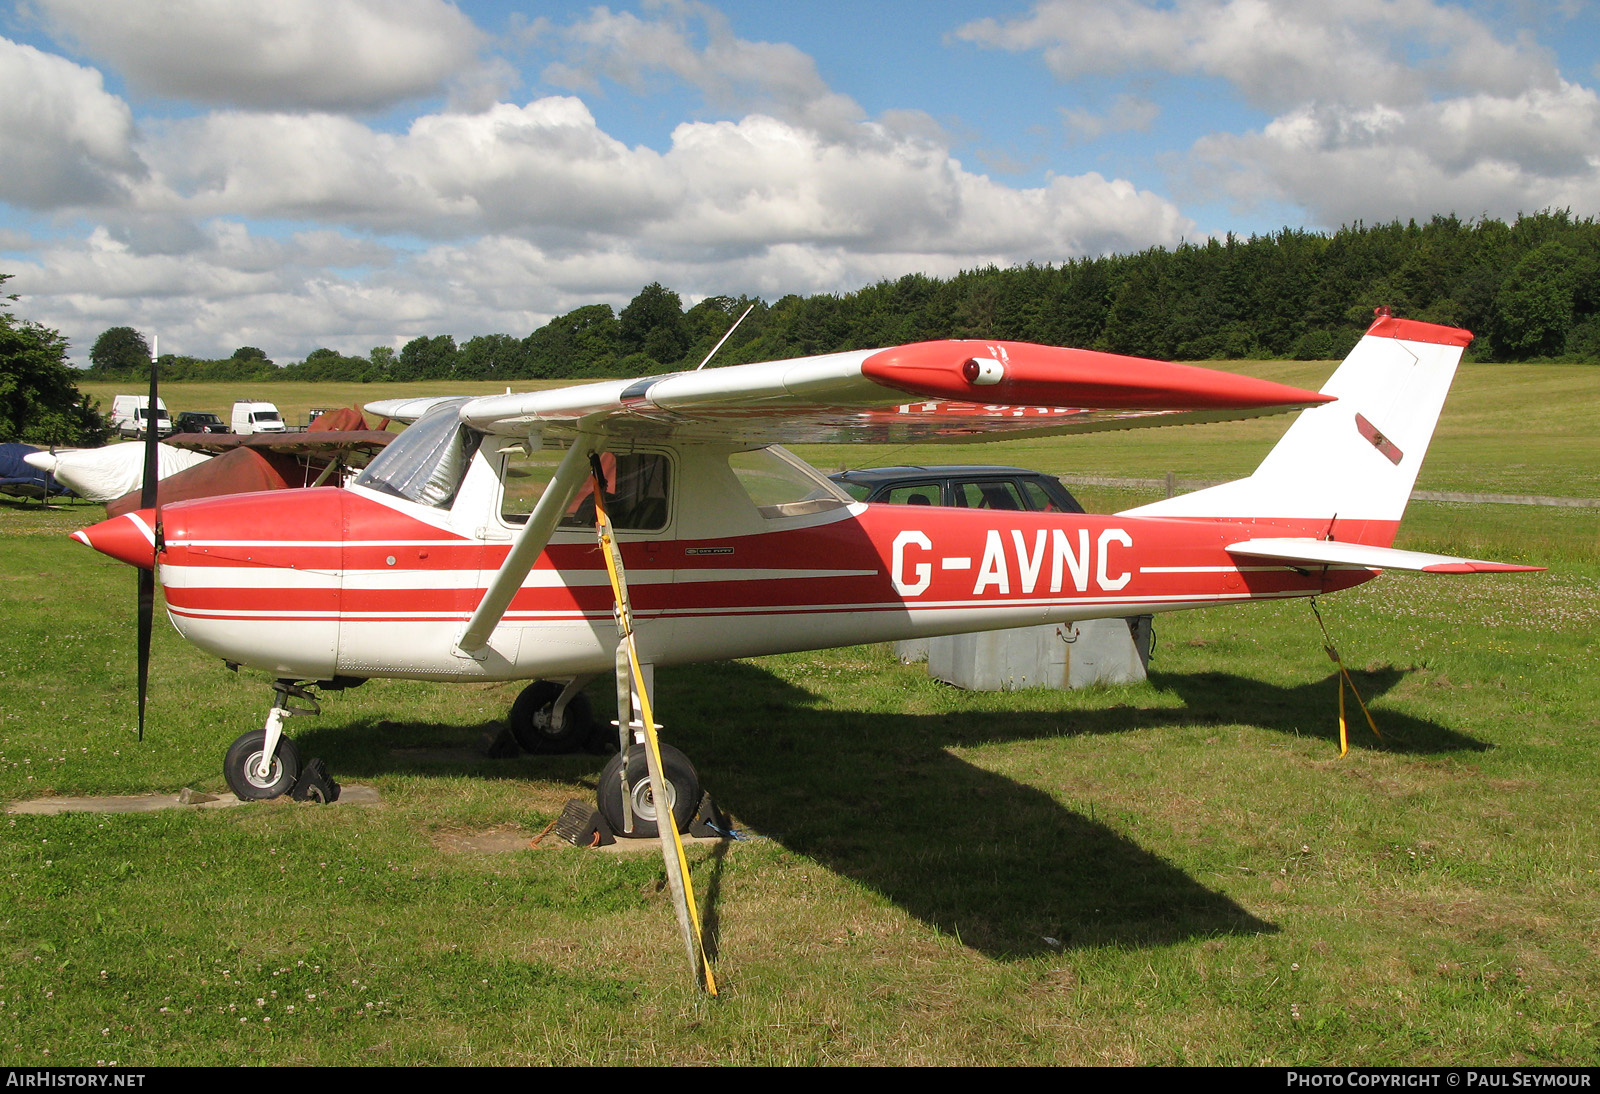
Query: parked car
x=961, y=486
x=129, y=415
x=252, y=417
x=200, y=421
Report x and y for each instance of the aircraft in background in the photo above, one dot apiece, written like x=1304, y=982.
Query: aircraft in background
x=202, y=465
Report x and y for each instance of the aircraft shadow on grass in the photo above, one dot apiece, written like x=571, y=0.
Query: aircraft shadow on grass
x=879, y=799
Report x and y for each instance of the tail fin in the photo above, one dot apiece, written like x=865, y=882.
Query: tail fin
x=1349, y=465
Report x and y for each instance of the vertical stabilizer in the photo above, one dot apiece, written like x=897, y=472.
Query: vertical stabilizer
x=1350, y=465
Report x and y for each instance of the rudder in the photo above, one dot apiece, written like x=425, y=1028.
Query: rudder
x=1349, y=464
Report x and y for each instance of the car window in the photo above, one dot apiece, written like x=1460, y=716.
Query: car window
x=1038, y=500
x=989, y=494
x=922, y=493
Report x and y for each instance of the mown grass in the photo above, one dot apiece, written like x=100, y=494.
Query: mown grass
x=1178, y=872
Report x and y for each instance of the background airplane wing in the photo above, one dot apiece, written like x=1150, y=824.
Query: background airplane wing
x=929, y=391
x=324, y=443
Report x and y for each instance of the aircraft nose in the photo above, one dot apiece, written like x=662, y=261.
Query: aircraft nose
x=44, y=461
x=130, y=538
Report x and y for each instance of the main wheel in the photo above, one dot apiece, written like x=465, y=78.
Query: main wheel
x=530, y=719
x=240, y=767
x=683, y=791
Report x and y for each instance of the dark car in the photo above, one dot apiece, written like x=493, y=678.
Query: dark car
x=961, y=486
x=200, y=421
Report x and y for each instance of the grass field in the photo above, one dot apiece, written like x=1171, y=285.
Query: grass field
x=1182, y=871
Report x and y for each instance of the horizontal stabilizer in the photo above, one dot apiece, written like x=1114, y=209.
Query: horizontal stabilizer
x=1328, y=552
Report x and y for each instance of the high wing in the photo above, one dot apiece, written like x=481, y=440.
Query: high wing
x=964, y=391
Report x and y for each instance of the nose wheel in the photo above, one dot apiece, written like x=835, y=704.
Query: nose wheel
x=264, y=763
x=242, y=767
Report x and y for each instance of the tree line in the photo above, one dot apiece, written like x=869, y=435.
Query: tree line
x=1530, y=290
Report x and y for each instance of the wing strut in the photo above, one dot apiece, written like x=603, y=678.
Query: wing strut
x=666, y=824
x=525, y=550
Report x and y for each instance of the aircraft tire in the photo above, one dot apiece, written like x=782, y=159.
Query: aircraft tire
x=680, y=774
x=541, y=695
x=240, y=763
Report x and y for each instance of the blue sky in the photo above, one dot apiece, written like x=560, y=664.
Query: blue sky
x=352, y=173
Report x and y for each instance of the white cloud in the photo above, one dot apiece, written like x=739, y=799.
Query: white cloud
x=529, y=210
x=277, y=54
x=1126, y=112
x=67, y=141
x=1382, y=108
x=1470, y=155
x=536, y=211
x=1279, y=53
x=547, y=173
x=734, y=74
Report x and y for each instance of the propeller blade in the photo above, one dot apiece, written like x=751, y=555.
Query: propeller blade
x=147, y=500
x=147, y=609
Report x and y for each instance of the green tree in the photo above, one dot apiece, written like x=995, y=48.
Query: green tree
x=652, y=323
x=583, y=342
x=426, y=359
x=250, y=353
x=39, y=403
x=1533, y=310
x=383, y=359
x=121, y=350
x=492, y=357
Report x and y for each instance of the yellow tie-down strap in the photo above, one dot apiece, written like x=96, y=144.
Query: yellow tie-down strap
x=1344, y=678
x=671, y=845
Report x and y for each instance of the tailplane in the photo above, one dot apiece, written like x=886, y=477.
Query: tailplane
x=1345, y=470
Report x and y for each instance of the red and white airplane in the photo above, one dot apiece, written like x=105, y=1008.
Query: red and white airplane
x=467, y=549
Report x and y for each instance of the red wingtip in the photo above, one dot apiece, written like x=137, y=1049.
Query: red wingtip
x=130, y=538
x=1024, y=374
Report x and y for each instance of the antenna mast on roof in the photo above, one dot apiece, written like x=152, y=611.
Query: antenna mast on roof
x=725, y=337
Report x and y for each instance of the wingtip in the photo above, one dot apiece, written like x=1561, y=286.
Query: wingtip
x=1476, y=567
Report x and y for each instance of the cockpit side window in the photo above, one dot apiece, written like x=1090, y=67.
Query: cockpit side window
x=638, y=489
x=428, y=460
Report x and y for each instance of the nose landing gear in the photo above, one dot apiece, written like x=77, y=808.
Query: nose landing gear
x=263, y=763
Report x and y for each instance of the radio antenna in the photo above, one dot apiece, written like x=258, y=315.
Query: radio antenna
x=725, y=337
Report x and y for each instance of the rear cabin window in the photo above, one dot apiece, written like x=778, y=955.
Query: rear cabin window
x=638, y=488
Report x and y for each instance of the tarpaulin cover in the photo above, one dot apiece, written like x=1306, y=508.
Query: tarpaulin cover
x=345, y=418
x=240, y=471
x=18, y=479
x=100, y=474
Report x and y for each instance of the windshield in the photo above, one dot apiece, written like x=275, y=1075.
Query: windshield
x=428, y=460
x=781, y=485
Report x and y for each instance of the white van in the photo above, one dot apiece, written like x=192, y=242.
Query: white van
x=130, y=416
x=249, y=417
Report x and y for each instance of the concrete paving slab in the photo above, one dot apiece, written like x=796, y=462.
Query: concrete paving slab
x=349, y=794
